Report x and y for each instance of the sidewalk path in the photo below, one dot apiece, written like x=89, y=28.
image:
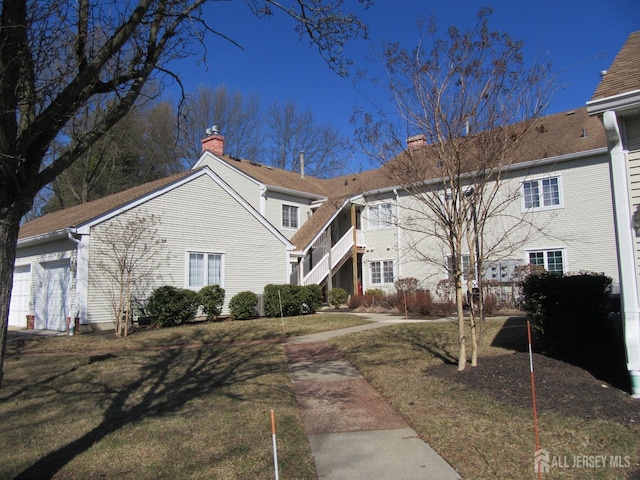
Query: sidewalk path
x=354, y=434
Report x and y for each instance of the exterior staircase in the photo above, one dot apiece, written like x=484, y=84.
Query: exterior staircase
x=339, y=254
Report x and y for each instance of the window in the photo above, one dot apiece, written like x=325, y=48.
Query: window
x=289, y=216
x=541, y=194
x=381, y=215
x=205, y=269
x=551, y=260
x=466, y=265
x=382, y=272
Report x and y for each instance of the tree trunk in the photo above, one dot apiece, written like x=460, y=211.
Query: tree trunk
x=462, y=352
x=9, y=227
x=473, y=321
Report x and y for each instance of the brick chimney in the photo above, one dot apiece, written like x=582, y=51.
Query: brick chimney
x=213, y=142
x=417, y=141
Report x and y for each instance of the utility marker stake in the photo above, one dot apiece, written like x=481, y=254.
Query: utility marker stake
x=533, y=396
x=275, y=448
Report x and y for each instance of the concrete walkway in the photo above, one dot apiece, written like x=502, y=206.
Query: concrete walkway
x=353, y=432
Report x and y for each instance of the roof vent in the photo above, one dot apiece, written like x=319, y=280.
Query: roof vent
x=584, y=133
x=603, y=73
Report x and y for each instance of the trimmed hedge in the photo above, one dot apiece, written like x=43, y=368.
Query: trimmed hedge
x=170, y=306
x=243, y=305
x=295, y=299
x=568, y=313
x=211, y=299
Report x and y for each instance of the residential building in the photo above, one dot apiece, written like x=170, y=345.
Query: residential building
x=243, y=225
x=616, y=102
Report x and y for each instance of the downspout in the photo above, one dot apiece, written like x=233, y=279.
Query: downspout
x=72, y=322
x=626, y=251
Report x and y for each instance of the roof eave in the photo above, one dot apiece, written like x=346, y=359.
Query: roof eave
x=297, y=193
x=618, y=103
x=45, y=237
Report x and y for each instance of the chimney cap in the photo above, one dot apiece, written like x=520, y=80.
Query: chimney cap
x=213, y=130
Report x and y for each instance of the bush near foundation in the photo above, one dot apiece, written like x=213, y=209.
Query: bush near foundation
x=170, y=306
x=295, y=299
x=211, y=298
x=243, y=305
x=568, y=313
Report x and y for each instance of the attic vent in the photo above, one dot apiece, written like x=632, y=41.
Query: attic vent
x=255, y=164
x=571, y=112
x=584, y=133
x=541, y=129
x=235, y=158
x=269, y=167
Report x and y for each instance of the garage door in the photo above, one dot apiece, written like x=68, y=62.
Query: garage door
x=56, y=295
x=20, y=296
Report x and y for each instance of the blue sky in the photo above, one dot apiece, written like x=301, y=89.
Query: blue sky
x=580, y=38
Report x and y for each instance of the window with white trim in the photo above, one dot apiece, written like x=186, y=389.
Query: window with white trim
x=466, y=266
x=289, y=216
x=380, y=215
x=382, y=272
x=551, y=260
x=205, y=269
x=541, y=194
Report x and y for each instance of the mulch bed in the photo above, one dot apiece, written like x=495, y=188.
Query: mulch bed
x=560, y=387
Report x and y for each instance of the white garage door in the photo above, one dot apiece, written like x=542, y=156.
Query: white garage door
x=20, y=295
x=56, y=295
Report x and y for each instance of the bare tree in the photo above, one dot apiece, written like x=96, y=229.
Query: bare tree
x=466, y=105
x=128, y=257
x=291, y=131
x=239, y=117
x=108, y=49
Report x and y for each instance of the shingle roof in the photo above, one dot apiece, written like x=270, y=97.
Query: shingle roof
x=624, y=73
x=277, y=177
x=554, y=135
x=83, y=213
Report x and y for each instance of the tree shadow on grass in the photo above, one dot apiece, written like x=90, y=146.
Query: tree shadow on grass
x=166, y=381
x=440, y=345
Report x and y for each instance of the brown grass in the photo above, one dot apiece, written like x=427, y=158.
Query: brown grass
x=187, y=402
x=473, y=423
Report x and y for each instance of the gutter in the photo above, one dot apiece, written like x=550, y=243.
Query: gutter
x=619, y=103
x=45, y=237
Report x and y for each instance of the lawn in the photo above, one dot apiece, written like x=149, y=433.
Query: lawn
x=195, y=402
x=185, y=402
x=481, y=420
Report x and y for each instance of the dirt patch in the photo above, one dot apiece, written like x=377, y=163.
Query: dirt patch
x=560, y=387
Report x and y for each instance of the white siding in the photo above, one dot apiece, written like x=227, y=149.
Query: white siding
x=273, y=214
x=244, y=186
x=632, y=133
x=201, y=216
x=382, y=243
x=583, y=227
